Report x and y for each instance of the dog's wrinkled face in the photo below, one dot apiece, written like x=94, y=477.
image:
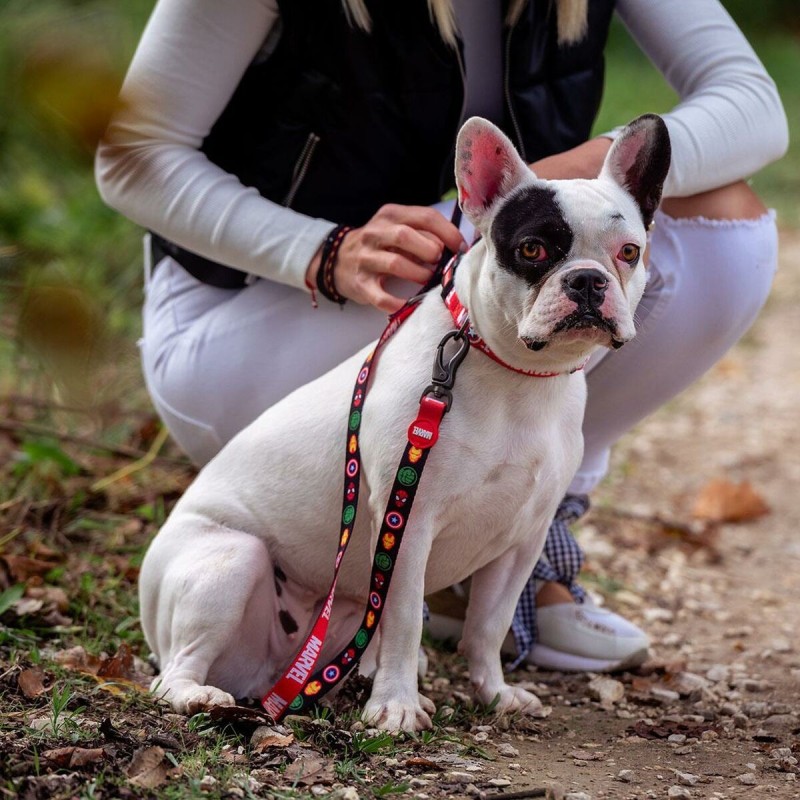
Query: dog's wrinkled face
x=565, y=256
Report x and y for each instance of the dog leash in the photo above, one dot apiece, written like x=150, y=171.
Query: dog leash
x=298, y=689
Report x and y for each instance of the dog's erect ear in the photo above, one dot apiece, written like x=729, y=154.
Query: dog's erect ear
x=639, y=161
x=488, y=168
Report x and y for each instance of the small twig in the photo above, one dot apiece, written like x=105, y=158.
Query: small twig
x=9, y=536
x=13, y=426
x=141, y=463
x=538, y=791
x=11, y=503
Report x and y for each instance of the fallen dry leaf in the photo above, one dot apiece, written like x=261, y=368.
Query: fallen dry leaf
x=114, y=674
x=147, y=768
x=78, y=659
x=28, y=606
x=721, y=500
x=74, y=757
x=21, y=568
x=120, y=665
x=273, y=740
x=665, y=729
x=423, y=763
x=53, y=595
x=309, y=770
x=31, y=682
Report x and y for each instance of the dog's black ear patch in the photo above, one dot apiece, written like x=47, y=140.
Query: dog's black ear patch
x=531, y=216
x=639, y=161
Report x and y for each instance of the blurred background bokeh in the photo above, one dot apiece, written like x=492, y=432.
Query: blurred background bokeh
x=70, y=268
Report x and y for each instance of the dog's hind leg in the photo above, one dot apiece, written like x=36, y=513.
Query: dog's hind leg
x=212, y=615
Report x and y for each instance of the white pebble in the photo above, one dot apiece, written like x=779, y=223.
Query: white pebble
x=687, y=779
x=678, y=793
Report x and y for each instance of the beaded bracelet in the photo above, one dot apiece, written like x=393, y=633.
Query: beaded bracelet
x=330, y=251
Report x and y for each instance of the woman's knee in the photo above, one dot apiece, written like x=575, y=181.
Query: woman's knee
x=732, y=202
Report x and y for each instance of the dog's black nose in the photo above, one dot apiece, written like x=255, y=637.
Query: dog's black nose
x=586, y=287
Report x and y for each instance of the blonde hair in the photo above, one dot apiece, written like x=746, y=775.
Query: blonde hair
x=572, y=17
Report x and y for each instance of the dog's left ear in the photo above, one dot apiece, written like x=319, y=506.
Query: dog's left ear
x=639, y=161
x=488, y=168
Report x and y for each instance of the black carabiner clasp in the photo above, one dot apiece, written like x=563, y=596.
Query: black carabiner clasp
x=444, y=367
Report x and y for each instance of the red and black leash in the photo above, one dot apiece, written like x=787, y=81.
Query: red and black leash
x=302, y=685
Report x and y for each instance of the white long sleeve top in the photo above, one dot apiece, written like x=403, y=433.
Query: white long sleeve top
x=728, y=124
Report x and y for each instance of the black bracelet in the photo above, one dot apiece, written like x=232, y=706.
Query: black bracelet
x=330, y=251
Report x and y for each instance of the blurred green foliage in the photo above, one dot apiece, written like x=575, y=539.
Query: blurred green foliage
x=61, y=64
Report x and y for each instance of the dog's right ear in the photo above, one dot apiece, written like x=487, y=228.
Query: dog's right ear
x=488, y=168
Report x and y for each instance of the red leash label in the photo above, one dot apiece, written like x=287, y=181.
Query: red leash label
x=424, y=430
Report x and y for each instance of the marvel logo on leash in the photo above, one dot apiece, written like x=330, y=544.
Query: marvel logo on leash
x=233, y=584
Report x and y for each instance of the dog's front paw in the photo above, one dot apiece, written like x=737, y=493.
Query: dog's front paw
x=510, y=699
x=397, y=715
x=192, y=698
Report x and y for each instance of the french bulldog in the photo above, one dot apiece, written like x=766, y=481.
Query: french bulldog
x=235, y=578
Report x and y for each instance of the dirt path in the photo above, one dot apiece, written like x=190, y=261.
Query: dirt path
x=732, y=625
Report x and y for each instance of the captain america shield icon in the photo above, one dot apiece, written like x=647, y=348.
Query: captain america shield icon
x=352, y=468
x=363, y=375
x=375, y=600
x=331, y=673
x=394, y=520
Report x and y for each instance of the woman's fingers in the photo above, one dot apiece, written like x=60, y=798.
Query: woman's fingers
x=422, y=218
x=396, y=243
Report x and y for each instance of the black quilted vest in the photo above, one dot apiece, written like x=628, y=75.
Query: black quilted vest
x=334, y=122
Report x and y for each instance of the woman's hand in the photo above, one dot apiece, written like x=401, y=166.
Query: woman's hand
x=403, y=242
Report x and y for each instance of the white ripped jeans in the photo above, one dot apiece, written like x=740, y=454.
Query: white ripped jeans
x=214, y=359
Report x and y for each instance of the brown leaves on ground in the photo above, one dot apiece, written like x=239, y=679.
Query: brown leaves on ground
x=149, y=768
x=110, y=672
x=721, y=500
x=74, y=757
x=31, y=682
x=309, y=771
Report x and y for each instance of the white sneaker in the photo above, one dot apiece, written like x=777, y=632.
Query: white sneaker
x=586, y=638
x=572, y=637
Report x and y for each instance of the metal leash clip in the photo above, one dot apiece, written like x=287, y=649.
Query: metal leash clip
x=443, y=377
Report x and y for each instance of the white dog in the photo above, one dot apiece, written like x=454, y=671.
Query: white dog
x=235, y=578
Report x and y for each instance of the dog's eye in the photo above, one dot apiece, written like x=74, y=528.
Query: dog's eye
x=629, y=253
x=532, y=250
